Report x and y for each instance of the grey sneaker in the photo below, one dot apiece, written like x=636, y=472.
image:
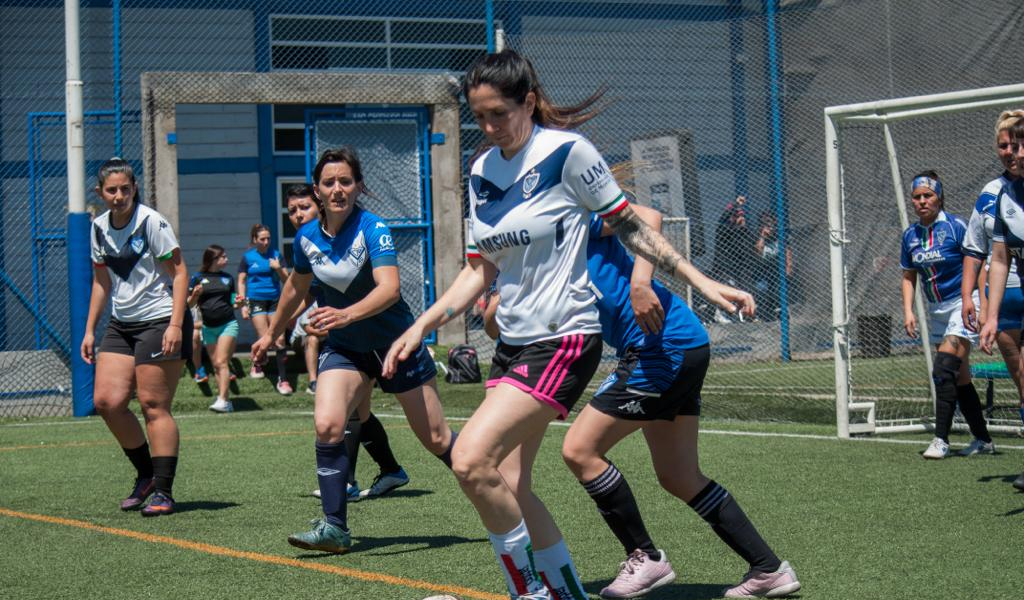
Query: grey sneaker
x=638, y=575
x=384, y=483
x=324, y=537
x=937, y=449
x=978, y=447
x=757, y=584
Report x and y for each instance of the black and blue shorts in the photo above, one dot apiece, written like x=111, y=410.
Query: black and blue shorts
x=412, y=372
x=654, y=384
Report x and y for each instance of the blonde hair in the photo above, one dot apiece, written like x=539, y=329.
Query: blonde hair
x=1007, y=119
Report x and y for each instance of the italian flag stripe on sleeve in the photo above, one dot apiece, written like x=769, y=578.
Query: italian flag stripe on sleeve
x=614, y=206
x=472, y=252
x=166, y=256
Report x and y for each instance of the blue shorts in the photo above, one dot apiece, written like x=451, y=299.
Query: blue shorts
x=212, y=334
x=412, y=372
x=1011, y=311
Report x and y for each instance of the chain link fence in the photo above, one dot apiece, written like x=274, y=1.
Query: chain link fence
x=711, y=101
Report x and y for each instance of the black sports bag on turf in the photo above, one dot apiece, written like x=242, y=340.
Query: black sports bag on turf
x=463, y=366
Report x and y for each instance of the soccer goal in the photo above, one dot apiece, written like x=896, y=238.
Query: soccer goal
x=873, y=149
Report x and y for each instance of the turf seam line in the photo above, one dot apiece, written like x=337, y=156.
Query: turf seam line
x=256, y=556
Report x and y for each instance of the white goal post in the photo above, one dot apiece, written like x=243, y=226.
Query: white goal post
x=882, y=114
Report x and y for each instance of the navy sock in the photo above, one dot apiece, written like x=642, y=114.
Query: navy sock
x=375, y=441
x=716, y=506
x=141, y=460
x=446, y=456
x=353, y=434
x=331, y=472
x=164, y=468
x=617, y=506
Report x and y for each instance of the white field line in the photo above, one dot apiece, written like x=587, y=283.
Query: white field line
x=759, y=434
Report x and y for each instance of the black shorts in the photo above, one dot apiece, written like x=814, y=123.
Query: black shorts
x=555, y=372
x=633, y=394
x=260, y=307
x=144, y=340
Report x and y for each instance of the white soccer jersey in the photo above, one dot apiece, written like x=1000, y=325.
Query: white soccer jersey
x=140, y=288
x=978, y=240
x=529, y=217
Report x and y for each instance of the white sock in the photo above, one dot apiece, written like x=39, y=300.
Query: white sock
x=558, y=572
x=515, y=556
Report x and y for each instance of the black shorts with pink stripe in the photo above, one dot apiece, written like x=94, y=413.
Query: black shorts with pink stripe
x=555, y=372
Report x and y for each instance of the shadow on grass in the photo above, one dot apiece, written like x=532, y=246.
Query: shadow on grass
x=1001, y=478
x=1014, y=512
x=422, y=542
x=401, y=493
x=181, y=507
x=245, y=403
x=673, y=591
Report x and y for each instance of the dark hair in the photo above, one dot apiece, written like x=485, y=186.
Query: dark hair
x=113, y=165
x=347, y=155
x=256, y=229
x=212, y=253
x=514, y=77
x=299, y=190
x=941, y=192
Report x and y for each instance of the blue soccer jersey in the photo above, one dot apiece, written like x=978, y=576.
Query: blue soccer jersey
x=935, y=252
x=610, y=268
x=343, y=266
x=261, y=281
x=1009, y=225
x=981, y=226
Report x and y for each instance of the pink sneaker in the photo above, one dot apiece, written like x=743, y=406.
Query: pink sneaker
x=756, y=584
x=284, y=388
x=256, y=372
x=639, y=575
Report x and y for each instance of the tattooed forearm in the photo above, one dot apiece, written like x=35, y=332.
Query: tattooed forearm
x=646, y=242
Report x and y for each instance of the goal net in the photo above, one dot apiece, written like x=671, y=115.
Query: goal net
x=873, y=150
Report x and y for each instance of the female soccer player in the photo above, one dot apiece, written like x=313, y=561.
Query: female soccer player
x=531, y=198
x=260, y=273
x=1007, y=240
x=363, y=427
x=213, y=291
x=977, y=246
x=137, y=263
x=931, y=248
x=351, y=253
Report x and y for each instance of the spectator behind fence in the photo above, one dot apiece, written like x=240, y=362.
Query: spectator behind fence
x=765, y=274
x=734, y=249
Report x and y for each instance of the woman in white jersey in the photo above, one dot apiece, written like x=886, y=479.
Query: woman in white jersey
x=531, y=199
x=977, y=246
x=137, y=263
x=1007, y=241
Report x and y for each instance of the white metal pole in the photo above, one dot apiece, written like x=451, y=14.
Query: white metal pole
x=840, y=313
x=73, y=106
x=901, y=210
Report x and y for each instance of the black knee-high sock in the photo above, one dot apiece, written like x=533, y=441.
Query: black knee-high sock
x=944, y=372
x=375, y=440
x=617, y=506
x=353, y=434
x=970, y=406
x=164, y=468
x=141, y=460
x=331, y=471
x=446, y=456
x=716, y=506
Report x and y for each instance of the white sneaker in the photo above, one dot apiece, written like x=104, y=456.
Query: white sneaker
x=316, y=492
x=937, y=449
x=222, y=406
x=978, y=447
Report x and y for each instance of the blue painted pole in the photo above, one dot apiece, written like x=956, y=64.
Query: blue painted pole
x=116, y=68
x=79, y=293
x=774, y=85
x=489, y=12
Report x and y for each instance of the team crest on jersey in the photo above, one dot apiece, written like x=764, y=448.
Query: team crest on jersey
x=357, y=253
x=225, y=280
x=530, y=182
x=481, y=198
x=138, y=244
x=940, y=236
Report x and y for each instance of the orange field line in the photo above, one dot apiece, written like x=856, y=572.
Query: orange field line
x=257, y=557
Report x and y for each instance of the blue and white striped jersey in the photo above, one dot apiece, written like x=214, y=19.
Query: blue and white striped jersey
x=343, y=266
x=529, y=217
x=1009, y=226
x=980, y=227
x=935, y=252
x=611, y=268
